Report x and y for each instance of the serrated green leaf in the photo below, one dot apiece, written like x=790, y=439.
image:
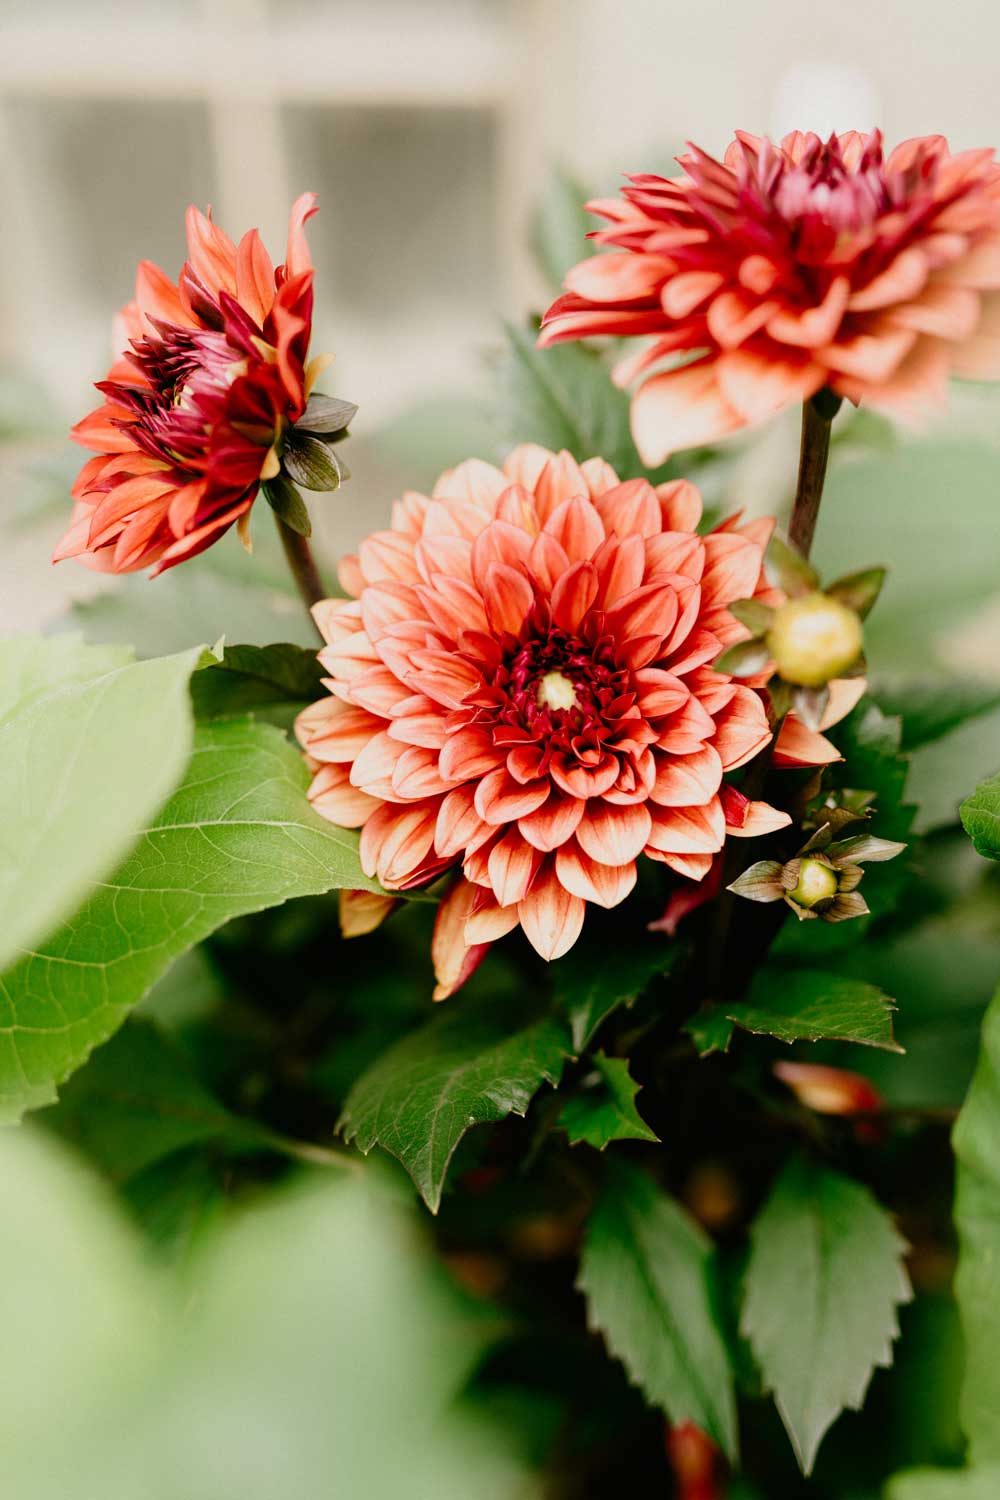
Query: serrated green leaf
x=977, y=1218
x=808, y=1005
x=273, y=682
x=981, y=817
x=89, y=748
x=238, y=835
x=645, y=1271
x=594, y=979
x=563, y=398
x=603, y=1110
x=932, y=708
x=823, y=1284
x=945, y=1484
x=473, y=1063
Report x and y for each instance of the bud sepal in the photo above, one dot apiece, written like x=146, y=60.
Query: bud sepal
x=823, y=878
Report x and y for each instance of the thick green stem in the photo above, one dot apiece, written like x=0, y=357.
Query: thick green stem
x=303, y=566
x=817, y=419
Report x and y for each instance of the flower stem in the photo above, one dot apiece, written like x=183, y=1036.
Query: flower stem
x=303, y=566
x=817, y=419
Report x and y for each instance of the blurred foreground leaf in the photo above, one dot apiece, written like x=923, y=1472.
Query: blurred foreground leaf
x=977, y=1218
x=823, y=1283
x=645, y=1272
x=90, y=743
x=472, y=1064
x=322, y=1354
x=981, y=817
x=945, y=1484
x=237, y=836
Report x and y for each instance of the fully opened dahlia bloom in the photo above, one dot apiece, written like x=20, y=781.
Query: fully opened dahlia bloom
x=522, y=686
x=792, y=267
x=210, y=375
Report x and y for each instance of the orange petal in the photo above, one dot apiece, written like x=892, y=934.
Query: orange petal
x=551, y=916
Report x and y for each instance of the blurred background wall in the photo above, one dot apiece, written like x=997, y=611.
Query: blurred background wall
x=427, y=128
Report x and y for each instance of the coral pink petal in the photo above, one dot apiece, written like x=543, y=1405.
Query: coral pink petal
x=552, y=917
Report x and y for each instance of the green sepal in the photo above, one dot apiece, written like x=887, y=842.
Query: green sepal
x=745, y=659
x=788, y=569
x=858, y=591
x=287, y=504
x=327, y=415
x=753, y=614
x=311, y=462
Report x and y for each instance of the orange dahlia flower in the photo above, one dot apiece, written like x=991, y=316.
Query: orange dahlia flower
x=521, y=686
x=212, y=371
x=792, y=267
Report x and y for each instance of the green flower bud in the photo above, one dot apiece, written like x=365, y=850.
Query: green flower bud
x=817, y=882
x=814, y=639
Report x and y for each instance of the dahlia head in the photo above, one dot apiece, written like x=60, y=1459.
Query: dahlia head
x=823, y=878
x=210, y=397
x=789, y=268
x=522, y=694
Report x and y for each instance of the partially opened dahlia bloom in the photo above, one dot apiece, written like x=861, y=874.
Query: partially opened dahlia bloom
x=210, y=374
x=522, y=689
x=792, y=267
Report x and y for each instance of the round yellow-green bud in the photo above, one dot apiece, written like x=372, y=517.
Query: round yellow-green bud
x=814, y=639
x=817, y=882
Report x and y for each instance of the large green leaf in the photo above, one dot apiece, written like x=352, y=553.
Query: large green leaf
x=945, y=1484
x=272, y=682
x=596, y=977
x=823, y=1284
x=603, y=1109
x=807, y=1005
x=977, y=1217
x=90, y=745
x=321, y=1356
x=981, y=817
x=645, y=1271
x=475, y=1062
x=563, y=398
x=238, y=835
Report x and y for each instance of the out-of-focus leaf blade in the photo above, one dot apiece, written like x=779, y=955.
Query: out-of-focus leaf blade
x=981, y=817
x=977, y=1217
x=89, y=748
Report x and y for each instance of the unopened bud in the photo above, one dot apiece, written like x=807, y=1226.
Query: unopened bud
x=814, y=639
x=817, y=882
